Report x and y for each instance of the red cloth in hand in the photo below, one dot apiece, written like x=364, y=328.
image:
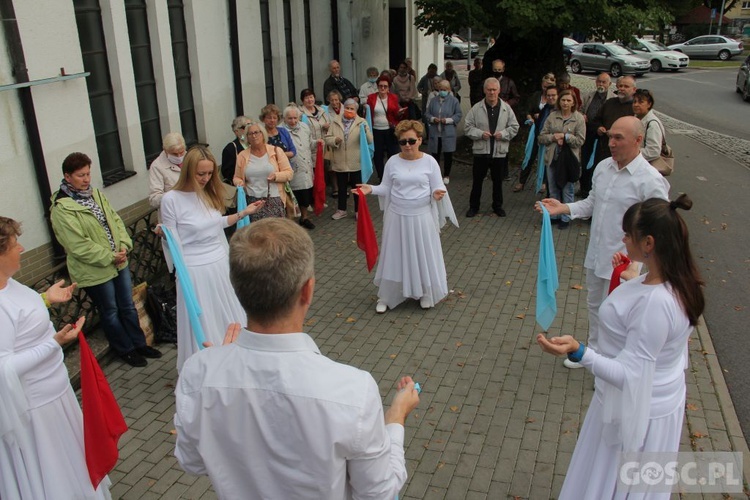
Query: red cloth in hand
x=366, y=239
x=614, y=281
x=103, y=423
x=319, y=182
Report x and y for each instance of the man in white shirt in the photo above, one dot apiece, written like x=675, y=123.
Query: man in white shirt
x=267, y=415
x=619, y=182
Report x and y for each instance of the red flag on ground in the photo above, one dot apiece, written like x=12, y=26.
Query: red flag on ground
x=614, y=281
x=319, y=182
x=366, y=239
x=103, y=423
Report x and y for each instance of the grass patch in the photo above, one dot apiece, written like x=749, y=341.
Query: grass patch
x=734, y=62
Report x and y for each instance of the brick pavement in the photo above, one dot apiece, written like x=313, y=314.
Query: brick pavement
x=498, y=419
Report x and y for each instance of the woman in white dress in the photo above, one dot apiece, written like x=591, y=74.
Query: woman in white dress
x=41, y=425
x=192, y=211
x=639, y=397
x=416, y=205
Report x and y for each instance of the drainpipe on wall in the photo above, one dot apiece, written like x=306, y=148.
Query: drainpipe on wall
x=21, y=74
x=234, y=46
x=335, y=26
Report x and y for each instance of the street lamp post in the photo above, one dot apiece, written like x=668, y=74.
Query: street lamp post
x=721, y=17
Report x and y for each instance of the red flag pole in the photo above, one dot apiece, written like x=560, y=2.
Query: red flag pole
x=319, y=182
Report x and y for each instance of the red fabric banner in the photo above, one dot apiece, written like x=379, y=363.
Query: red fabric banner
x=366, y=239
x=103, y=423
x=614, y=281
x=319, y=182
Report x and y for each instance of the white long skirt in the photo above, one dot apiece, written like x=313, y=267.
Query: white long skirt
x=411, y=261
x=56, y=432
x=217, y=301
x=594, y=466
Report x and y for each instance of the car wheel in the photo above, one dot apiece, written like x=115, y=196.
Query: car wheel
x=724, y=55
x=615, y=70
x=456, y=54
x=655, y=66
x=746, y=92
x=575, y=66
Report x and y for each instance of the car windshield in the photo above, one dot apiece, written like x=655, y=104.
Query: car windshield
x=654, y=45
x=458, y=39
x=618, y=50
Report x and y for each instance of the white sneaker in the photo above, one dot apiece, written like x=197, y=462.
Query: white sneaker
x=426, y=302
x=446, y=181
x=380, y=308
x=339, y=214
x=571, y=364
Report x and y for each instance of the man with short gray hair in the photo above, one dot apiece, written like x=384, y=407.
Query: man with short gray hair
x=338, y=82
x=267, y=415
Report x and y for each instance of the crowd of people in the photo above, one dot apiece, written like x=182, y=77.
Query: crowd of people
x=269, y=377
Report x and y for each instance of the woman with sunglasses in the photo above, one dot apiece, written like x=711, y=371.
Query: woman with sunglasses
x=416, y=205
x=385, y=113
x=643, y=104
x=262, y=170
x=193, y=212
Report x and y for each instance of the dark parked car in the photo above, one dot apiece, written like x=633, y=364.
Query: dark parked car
x=609, y=57
x=743, y=80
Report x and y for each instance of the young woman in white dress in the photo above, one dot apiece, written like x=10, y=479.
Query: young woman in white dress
x=192, y=211
x=416, y=205
x=41, y=426
x=639, y=368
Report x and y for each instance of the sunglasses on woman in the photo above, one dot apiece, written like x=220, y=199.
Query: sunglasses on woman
x=410, y=142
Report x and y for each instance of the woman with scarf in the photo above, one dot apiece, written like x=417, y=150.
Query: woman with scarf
x=443, y=114
x=303, y=163
x=639, y=364
x=194, y=213
x=97, y=245
x=386, y=114
x=344, y=139
x=165, y=169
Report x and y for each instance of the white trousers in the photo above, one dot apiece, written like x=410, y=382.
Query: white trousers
x=598, y=289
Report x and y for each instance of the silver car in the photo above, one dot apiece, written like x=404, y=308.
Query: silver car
x=456, y=47
x=659, y=55
x=710, y=47
x=610, y=57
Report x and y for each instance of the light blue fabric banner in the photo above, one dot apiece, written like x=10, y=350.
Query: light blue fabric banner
x=366, y=151
x=303, y=118
x=540, y=168
x=242, y=205
x=186, y=284
x=590, y=164
x=546, y=281
x=530, y=143
x=368, y=116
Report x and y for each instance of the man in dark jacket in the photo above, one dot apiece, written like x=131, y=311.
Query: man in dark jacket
x=611, y=110
x=338, y=82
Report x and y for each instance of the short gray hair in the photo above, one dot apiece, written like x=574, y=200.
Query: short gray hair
x=172, y=140
x=489, y=80
x=239, y=122
x=351, y=102
x=292, y=107
x=269, y=261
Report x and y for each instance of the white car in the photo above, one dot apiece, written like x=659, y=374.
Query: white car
x=659, y=55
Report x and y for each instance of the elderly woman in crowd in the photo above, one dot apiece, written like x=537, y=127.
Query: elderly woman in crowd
x=344, y=139
x=404, y=85
x=303, y=163
x=233, y=149
x=386, y=114
x=411, y=257
x=165, y=169
x=370, y=86
x=263, y=169
x=443, y=114
x=97, y=245
x=564, y=126
x=279, y=137
x=41, y=451
x=335, y=108
x=639, y=364
x=452, y=77
x=643, y=104
x=193, y=212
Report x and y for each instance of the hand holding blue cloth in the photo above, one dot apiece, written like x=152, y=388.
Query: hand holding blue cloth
x=546, y=281
x=590, y=164
x=365, y=154
x=242, y=205
x=530, y=143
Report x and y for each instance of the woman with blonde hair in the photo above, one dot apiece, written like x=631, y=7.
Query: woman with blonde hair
x=193, y=212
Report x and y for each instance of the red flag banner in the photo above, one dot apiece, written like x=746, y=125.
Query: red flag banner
x=366, y=239
x=103, y=423
x=614, y=281
x=319, y=182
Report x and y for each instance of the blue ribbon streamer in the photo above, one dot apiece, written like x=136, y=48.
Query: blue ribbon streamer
x=590, y=164
x=366, y=151
x=188, y=290
x=540, y=167
x=368, y=116
x=547, y=281
x=530, y=143
x=303, y=118
x=242, y=205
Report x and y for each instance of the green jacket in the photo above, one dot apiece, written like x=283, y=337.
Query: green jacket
x=90, y=258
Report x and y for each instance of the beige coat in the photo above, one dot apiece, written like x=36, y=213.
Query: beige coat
x=574, y=128
x=278, y=159
x=345, y=156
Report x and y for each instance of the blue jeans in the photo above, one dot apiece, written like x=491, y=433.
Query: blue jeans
x=565, y=195
x=114, y=301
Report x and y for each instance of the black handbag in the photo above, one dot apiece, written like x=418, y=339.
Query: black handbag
x=566, y=167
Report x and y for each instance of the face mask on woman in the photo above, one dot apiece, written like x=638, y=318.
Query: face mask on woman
x=349, y=114
x=443, y=93
x=372, y=80
x=175, y=160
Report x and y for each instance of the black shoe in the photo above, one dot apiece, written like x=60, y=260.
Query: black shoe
x=148, y=352
x=134, y=359
x=306, y=223
x=563, y=225
x=500, y=212
x=471, y=212
x=555, y=222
